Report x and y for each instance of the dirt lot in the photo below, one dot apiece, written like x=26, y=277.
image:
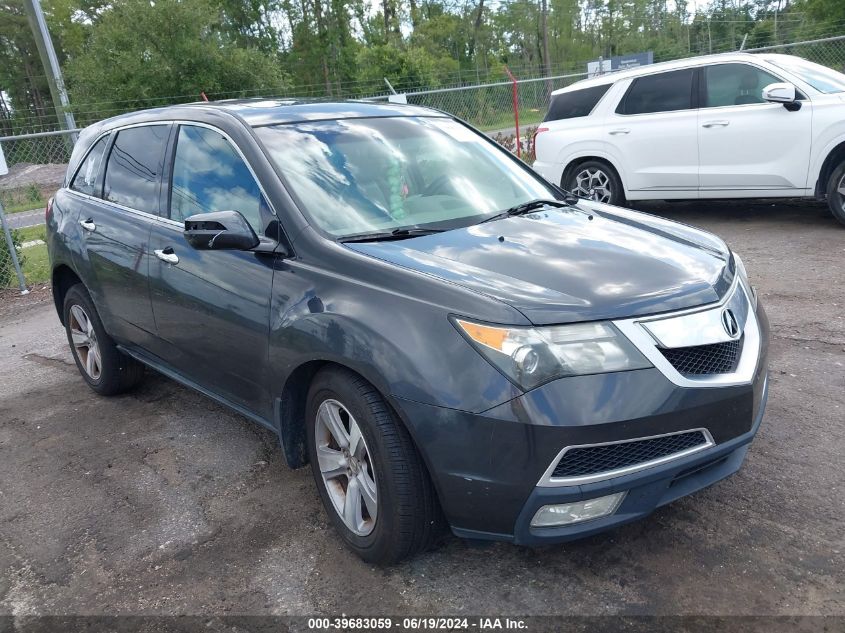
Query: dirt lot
x=161, y=502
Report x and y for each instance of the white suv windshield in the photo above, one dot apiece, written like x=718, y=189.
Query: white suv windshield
x=357, y=176
x=820, y=77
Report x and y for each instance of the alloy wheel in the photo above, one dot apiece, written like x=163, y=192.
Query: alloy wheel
x=346, y=467
x=592, y=184
x=85, y=344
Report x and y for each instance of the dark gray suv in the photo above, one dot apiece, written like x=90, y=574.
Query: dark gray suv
x=444, y=336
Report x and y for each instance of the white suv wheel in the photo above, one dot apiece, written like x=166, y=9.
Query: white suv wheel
x=593, y=183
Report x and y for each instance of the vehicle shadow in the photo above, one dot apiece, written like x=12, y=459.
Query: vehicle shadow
x=787, y=212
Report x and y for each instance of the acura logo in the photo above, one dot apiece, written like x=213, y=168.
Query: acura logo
x=730, y=324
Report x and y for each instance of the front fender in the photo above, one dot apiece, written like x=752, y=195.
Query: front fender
x=404, y=356
x=828, y=140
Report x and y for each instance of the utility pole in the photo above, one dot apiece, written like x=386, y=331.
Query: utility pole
x=777, y=10
x=545, y=29
x=51, y=65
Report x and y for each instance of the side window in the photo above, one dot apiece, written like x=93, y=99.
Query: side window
x=209, y=175
x=663, y=92
x=735, y=84
x=133, y=172
x=578, y=103
x=86, y=176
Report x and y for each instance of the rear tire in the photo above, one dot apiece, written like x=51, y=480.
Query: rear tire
x=106, y=369
x=367, y=459
x=836, y=192
x=595, y=180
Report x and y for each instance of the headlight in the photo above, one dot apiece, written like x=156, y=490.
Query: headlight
x=532, y=356
x=743, y=277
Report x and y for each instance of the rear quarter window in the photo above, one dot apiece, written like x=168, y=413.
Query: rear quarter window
x=574, y=104
x=85, y=180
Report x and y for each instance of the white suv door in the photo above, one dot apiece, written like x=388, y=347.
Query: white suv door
x=749, y=147
x=655, y=131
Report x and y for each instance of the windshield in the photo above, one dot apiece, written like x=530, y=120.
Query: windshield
x=359, y=176
x=820, y=77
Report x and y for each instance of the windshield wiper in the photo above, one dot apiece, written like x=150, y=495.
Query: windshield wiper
x=395, y=234
x=528, y=207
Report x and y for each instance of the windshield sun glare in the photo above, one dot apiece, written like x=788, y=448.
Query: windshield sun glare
x=360, y=176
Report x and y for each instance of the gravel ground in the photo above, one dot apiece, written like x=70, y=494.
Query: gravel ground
x=162, y=502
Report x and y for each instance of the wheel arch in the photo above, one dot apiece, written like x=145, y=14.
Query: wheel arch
x=63, y=279
x=290, y=406
x=835, y=156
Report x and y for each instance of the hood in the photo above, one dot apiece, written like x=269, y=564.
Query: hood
x=573, y=264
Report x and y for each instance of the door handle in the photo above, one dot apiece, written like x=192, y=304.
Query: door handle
x=167, y=255
x=88, y=224
x=716, y=124
x=621, y=130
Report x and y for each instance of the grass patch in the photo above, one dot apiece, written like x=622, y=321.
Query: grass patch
x=31, y=233
x=25, y=198
x=530, y=117
x=20, y=207
x=36, y=265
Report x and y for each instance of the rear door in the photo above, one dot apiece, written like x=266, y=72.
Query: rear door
x=116, y=221
x=749, y=146
x=654, y=130
x=212, y=308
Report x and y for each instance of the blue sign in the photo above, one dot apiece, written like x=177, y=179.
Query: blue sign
x=619, y=62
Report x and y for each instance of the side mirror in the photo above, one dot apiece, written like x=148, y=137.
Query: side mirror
x=221, y=230
x=779, y=93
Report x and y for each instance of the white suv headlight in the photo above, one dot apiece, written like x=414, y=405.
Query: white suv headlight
x=531, y=356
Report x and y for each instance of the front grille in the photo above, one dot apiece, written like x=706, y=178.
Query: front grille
x=590, y=460
x=702, y=360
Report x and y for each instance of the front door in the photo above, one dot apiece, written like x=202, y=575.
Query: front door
x=749, y=146
x=212, y=308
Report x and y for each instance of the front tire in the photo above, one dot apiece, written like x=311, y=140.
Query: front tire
x=106, y=369
x=595, y=180
x=836, y=192
x=371, y=479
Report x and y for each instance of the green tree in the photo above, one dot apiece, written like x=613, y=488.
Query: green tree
x=25, y=103
x=140, y=51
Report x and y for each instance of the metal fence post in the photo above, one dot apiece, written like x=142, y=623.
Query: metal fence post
x=12, y=252
x=515, y=98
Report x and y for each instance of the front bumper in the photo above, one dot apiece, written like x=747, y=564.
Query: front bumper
x=486, y=466
x=647, y=490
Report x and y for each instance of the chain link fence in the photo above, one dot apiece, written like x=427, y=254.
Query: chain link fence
x=829, y=51
x=11, y=257
x=36, y=169
x=37, y=162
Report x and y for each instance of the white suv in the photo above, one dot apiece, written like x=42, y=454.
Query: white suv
x=722, y=126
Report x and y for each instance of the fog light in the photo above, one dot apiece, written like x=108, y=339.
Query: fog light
x=569, y=513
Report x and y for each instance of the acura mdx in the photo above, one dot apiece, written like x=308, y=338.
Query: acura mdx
x=445, y=337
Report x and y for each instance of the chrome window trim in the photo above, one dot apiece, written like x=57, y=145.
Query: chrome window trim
x=549, y=481
x=143, y=214
x=636, y=331
x=117, y=129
